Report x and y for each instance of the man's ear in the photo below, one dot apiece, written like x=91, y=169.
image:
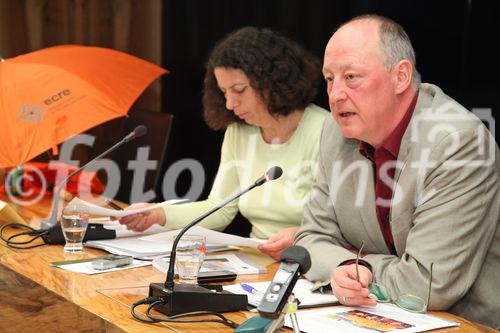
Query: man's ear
x=403, y=72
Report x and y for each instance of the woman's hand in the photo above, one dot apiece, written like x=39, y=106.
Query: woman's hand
x=277, y=243
x=142, y=221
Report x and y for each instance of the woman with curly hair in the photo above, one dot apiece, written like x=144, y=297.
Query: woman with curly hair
x=258, y=87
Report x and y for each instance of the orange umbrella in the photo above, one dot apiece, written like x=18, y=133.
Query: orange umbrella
x=52, y=94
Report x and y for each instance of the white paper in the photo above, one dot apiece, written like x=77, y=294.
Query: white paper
x=137, y=247
x=93, y=209
x=211, y=236
x=86, y=267
x=302, y=291
x=121, y=229
x=218, y=262
x=134, y=246
x=382, y=318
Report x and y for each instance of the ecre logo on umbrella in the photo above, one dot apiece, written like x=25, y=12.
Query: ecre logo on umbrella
x=33, y=113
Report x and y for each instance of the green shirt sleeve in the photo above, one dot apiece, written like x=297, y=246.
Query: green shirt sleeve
x=226, y=181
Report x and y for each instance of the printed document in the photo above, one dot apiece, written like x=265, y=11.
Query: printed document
x=381, y=318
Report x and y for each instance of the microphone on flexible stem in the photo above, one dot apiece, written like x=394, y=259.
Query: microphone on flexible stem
x=139, y=131
x=182, y=298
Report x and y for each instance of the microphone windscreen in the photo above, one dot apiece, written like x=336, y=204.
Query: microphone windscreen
x=299, y=255
x=274, y=173
x=140, y=130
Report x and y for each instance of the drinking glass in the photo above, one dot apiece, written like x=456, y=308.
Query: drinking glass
x=74, y=223
x=190, y=255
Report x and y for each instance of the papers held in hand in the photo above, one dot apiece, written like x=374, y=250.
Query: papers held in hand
x=93, y=209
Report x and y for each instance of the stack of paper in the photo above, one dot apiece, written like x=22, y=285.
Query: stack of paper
x=133, y=246
x=160, y=244
x=211, y=237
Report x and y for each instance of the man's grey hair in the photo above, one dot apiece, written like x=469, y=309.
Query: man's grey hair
x=395, y=44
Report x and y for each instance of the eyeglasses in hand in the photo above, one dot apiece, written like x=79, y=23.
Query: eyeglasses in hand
x=407, y=302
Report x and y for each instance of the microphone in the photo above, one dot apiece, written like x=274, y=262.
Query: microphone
x=295, y=261
x=271, y=174
x=182, y=298
x=139, y=131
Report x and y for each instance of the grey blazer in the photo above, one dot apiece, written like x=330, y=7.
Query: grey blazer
x=445, y=210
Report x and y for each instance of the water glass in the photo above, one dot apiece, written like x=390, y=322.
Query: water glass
x=190, y=255
x=74, y=223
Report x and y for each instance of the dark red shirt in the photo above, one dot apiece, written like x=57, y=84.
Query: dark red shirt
x=386, y=153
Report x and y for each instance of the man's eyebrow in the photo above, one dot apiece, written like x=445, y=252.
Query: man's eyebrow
x=342, y=68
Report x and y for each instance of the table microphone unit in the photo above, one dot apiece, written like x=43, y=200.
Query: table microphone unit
x=183, y=298
x=94, y=231
x=295, y=261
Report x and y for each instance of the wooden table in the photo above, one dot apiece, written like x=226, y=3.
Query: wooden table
x=39, y=298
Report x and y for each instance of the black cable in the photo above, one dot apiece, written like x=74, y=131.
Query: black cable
x=35, y=233
x=153, y=301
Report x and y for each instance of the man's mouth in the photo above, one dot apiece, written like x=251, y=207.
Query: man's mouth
x=346, y=114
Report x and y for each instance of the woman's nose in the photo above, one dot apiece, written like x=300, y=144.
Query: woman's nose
x=231, y=102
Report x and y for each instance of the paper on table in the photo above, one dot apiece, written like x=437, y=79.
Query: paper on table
x=139, y=248
x=122, y=231
x=9, y=215
x=86, y=267
x=134, y=246
x=238, y=264
x=93, y=209
x=382, y=318
x=211, y=236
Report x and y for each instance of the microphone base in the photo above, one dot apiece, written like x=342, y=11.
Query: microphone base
x=95, y=231
x=191, y=297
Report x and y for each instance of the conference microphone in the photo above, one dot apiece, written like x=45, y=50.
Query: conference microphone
x=139, y=131
x=182, y=298
x=295, y=261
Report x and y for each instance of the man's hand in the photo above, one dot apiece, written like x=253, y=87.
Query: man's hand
x=277, y=243
x=142, y=221
x=348, y=290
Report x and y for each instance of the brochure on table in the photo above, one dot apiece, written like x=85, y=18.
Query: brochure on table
x=382, y=318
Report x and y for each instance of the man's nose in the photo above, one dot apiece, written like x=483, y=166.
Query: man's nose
x=336, y=94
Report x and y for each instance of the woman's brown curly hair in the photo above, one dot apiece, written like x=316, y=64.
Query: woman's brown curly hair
x=281, y=71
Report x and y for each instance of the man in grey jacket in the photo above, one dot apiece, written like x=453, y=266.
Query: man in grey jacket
x=409, y=172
